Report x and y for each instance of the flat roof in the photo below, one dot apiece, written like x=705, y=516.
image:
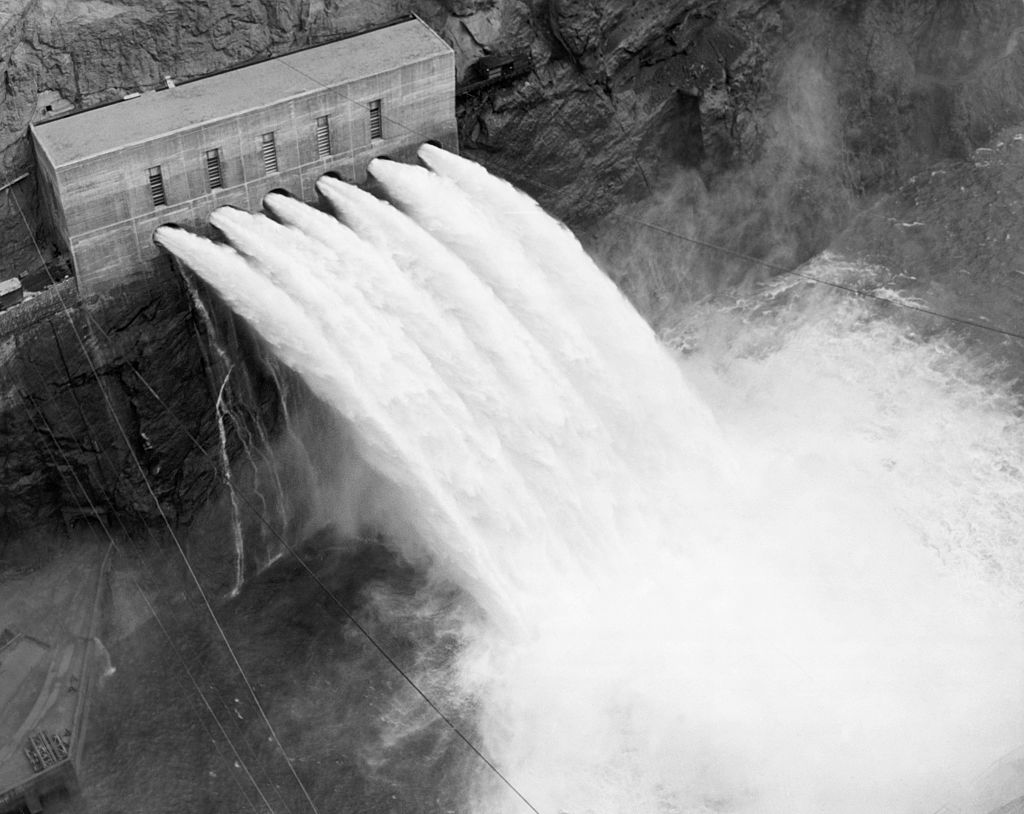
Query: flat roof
x=224, y=95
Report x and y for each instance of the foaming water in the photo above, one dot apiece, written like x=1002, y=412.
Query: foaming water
x=786, y=581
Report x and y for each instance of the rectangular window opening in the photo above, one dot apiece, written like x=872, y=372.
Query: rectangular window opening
x=376, y=120
x=269, y=151
x=156, y=187
x=214, y=177
x=323, y=137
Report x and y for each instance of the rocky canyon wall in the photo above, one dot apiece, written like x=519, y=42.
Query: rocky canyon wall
x=108, y=413
x=779, y=117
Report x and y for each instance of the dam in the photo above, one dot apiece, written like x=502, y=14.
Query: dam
x=110, y=175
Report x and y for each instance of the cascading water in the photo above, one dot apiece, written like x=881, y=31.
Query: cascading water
x=254, y=441
x=221, y=410
x=752, y=588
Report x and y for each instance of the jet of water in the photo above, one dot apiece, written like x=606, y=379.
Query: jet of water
x=691, y=603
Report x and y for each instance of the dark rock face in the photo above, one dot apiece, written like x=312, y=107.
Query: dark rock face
x=903, y=83
x=102, y=403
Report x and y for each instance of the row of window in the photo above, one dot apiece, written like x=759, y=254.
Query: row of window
x=268, y=153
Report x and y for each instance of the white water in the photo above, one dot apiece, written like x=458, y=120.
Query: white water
x=788, y=581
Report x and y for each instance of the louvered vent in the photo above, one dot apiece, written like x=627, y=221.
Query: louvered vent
x=323, y=137
x=376, y=120
x=269, y=150
x=214, y=178
x=156, y=187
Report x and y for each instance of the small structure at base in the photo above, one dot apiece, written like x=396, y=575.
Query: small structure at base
x=11, y=292
x=42, y=755
x=45, y=691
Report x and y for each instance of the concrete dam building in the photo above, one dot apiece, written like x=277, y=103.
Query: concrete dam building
x=110, y=175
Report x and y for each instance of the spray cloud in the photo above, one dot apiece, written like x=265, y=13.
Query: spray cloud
x=747, y=589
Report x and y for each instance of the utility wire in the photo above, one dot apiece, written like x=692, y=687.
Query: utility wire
x=206, y=703
x=14, y=181
x=341, y=605
x=113, y=544
x=339, y=92
x=95, y=513
x=792, y=271
x=695, y=241
x=170, y=530
x=216, y=621
x=871, y=295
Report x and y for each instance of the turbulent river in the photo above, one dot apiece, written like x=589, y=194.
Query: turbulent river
x=769, y=562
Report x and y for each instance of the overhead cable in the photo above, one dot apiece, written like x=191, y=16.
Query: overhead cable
x=170, y=530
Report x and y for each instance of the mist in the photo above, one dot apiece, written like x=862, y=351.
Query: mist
x=769, y=567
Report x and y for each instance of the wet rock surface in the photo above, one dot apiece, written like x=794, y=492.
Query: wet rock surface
x=103, y=403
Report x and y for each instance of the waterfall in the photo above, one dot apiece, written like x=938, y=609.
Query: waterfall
x=783, y=580
x=221, y=411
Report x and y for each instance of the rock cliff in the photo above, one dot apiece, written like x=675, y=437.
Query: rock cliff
x=774, y=118
x=100, y=405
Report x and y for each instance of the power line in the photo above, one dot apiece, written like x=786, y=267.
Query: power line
x=696, y=241
x=206, y=703
x=383, y=652
x=793, y=271
x=341, y=605
x=333, y=597
x=337, y=90
x=96, y=513
x=174, y=537
x=871, y=295
x=113, y=544
x=13, y=181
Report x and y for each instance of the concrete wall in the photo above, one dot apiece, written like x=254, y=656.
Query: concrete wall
x=106, y=213
x=47, y=180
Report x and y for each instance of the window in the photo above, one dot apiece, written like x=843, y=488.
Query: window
x=214, y=178
x=269, y=153
x=156, y=187
x=323, y=137
x=376, y=120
